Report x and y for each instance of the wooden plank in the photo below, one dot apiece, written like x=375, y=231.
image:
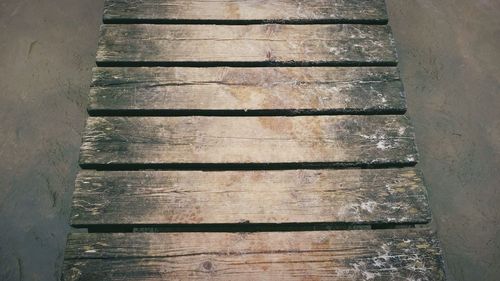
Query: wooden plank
x=404, y=254
x=223, y=140
x=214, y=197
x=248, y=10
x=297, y=44
x=263, y=89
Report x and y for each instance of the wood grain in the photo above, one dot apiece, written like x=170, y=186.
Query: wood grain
x=294, y=196
x=226, y=140
x=267, y=10
x=290, y=90
x=404, y=254
x=267, y=43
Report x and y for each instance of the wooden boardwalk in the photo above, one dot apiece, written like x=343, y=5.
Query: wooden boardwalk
x=248, y=140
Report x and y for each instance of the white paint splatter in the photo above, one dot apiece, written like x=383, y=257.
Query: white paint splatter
x=401, y=130
x=369, y=275
x=369, y=206
x=410, y=158
x=383, y=145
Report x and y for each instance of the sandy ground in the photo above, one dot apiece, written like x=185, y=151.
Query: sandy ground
x=449, y=65
x=47, y=50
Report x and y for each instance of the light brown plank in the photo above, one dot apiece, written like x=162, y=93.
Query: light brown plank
x=294, y=196
x=404, y=254
x=317, y=44
x=223, y=140
x=296, y=90
x=267, y=10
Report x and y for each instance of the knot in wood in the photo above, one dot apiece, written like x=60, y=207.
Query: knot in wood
x=207, y=265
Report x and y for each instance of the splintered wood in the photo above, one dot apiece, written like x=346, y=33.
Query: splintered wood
x=272, y=134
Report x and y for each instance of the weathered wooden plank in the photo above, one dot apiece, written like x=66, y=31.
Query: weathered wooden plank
x=251, y=10
x=290, y=196
x=302, y=139
x=263, y=89
x=404, y=254
x=316, y=44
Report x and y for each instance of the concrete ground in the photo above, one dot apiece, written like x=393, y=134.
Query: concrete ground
x=451, y=70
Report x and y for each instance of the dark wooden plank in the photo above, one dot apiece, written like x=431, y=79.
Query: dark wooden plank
x=404, y=254
x=303, y=139
x=317, y=44
x=266, y=10
x=269, y=89
x=293, y=196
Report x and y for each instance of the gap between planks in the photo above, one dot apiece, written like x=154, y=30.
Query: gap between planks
x=244, y=22
x=239, y=228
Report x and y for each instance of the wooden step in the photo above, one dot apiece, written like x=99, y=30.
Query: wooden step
x=403, y=254
x=212, y=197
x=336, y=140
x=236, y=90
x=248, y=10
x=296, y=44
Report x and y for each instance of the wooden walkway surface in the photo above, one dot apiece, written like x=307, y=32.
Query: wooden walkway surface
x=248, y=140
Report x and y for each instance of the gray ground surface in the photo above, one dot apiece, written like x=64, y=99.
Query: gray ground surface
x=449, y=63
x=47, y=50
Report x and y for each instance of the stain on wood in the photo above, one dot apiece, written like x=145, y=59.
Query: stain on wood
x=290, y=90
x=404, y=254
x=249, y=10
x=297, y=44
x=344, y=140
